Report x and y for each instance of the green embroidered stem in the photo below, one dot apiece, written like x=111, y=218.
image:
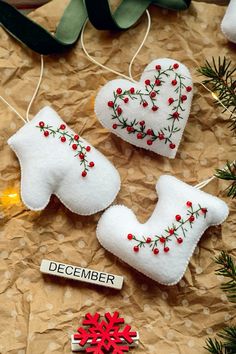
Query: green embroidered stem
x=73, y=140
x=180, y=224
x=150, y=95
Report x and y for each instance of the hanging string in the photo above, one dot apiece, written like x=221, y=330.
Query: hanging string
x=37, y=87
x=25, y=120
x=130, y=77
x=141, y=45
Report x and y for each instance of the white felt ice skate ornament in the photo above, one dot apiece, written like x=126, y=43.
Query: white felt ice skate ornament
x=151, y=113
x=228, y=24
x=55, y=160
x=161, y=248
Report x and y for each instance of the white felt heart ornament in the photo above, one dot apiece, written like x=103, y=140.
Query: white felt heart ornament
x=161, y=248
x=151, y=113
x=55, y=160
x=228, y=24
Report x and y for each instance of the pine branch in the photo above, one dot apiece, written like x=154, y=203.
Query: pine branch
x=228, y=173
x=221, y=79
x=228, y=270
x=215, y=347
x=229, y=336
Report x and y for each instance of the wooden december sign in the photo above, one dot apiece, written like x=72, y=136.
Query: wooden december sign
x=83, y=274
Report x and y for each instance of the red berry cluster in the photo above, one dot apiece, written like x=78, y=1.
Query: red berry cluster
x=149, y=98
x=74, y=141
x=173, y=231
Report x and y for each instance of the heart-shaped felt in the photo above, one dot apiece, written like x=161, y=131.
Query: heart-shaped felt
x=151, y=113
x=161, y=248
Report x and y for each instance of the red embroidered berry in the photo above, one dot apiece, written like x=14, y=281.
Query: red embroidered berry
x=63, y=139
x=41, y=124
x=126, y=99
x=148, y=240
x=130, y=237
x=153, y=94
x=114, y=126
x=170, y=100
x=154, y=108
x=179, y=240
x=188, y=88
x=183, y=98
x=119, y=91
x=172, y=146
x=189, y=204
x=142, y=123
x=84, y=174
x=46, y=133
x=136, y=248
x=192, y=218
x=132, y=90
x=166, y=249
x=119, y=111
x=177, y=217
x=130, y=129
x=156, y=251
x=175, y=115
x=149, y=142
x=145, y=104
x=76, y=137
x=139, y=136
x=149, y=132
x=91, y=164
x=74, y=146
x=62, y=126
x=174, y=82
x=158, y=67
x=110, y=104
x=157, y=82
x=162, y=239
x=171, y=231
x=88, y=148
x=147, y=82
x=175, y=66
x=161, y=136
x=81, y=156
x=204, y=210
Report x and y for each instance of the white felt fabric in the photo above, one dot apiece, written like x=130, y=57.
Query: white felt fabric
x=159, y=120
x=49, y=166
x=166, y=267
x=228, y=24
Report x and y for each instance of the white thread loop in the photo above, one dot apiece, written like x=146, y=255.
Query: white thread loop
x=32, y=99
x=130, y=77
x=37, y=88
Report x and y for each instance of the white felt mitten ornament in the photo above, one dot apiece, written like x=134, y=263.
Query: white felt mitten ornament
x=151, y=113
x=161, y=248
x=55, y=160
x=228, y=24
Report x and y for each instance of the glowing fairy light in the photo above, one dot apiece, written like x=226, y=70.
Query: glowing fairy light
x=214, y=95
x=9, y=196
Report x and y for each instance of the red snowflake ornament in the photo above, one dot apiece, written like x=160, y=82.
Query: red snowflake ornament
x=105, y=336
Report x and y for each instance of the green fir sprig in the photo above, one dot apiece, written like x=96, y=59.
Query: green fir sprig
x=226, y=344
x=229, y=174
x=221, y=79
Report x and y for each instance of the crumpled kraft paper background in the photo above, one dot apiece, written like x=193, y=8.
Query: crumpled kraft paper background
x=38, y=313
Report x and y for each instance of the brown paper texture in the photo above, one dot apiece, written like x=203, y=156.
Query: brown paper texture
x=39, y=313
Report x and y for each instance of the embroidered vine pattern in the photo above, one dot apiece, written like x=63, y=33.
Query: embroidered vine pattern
x=73, y=140
x=148, y=99
x=177, y=231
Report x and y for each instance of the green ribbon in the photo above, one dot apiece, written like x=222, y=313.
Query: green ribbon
x=38, y=38
x=68, y=30
x=128, y=12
